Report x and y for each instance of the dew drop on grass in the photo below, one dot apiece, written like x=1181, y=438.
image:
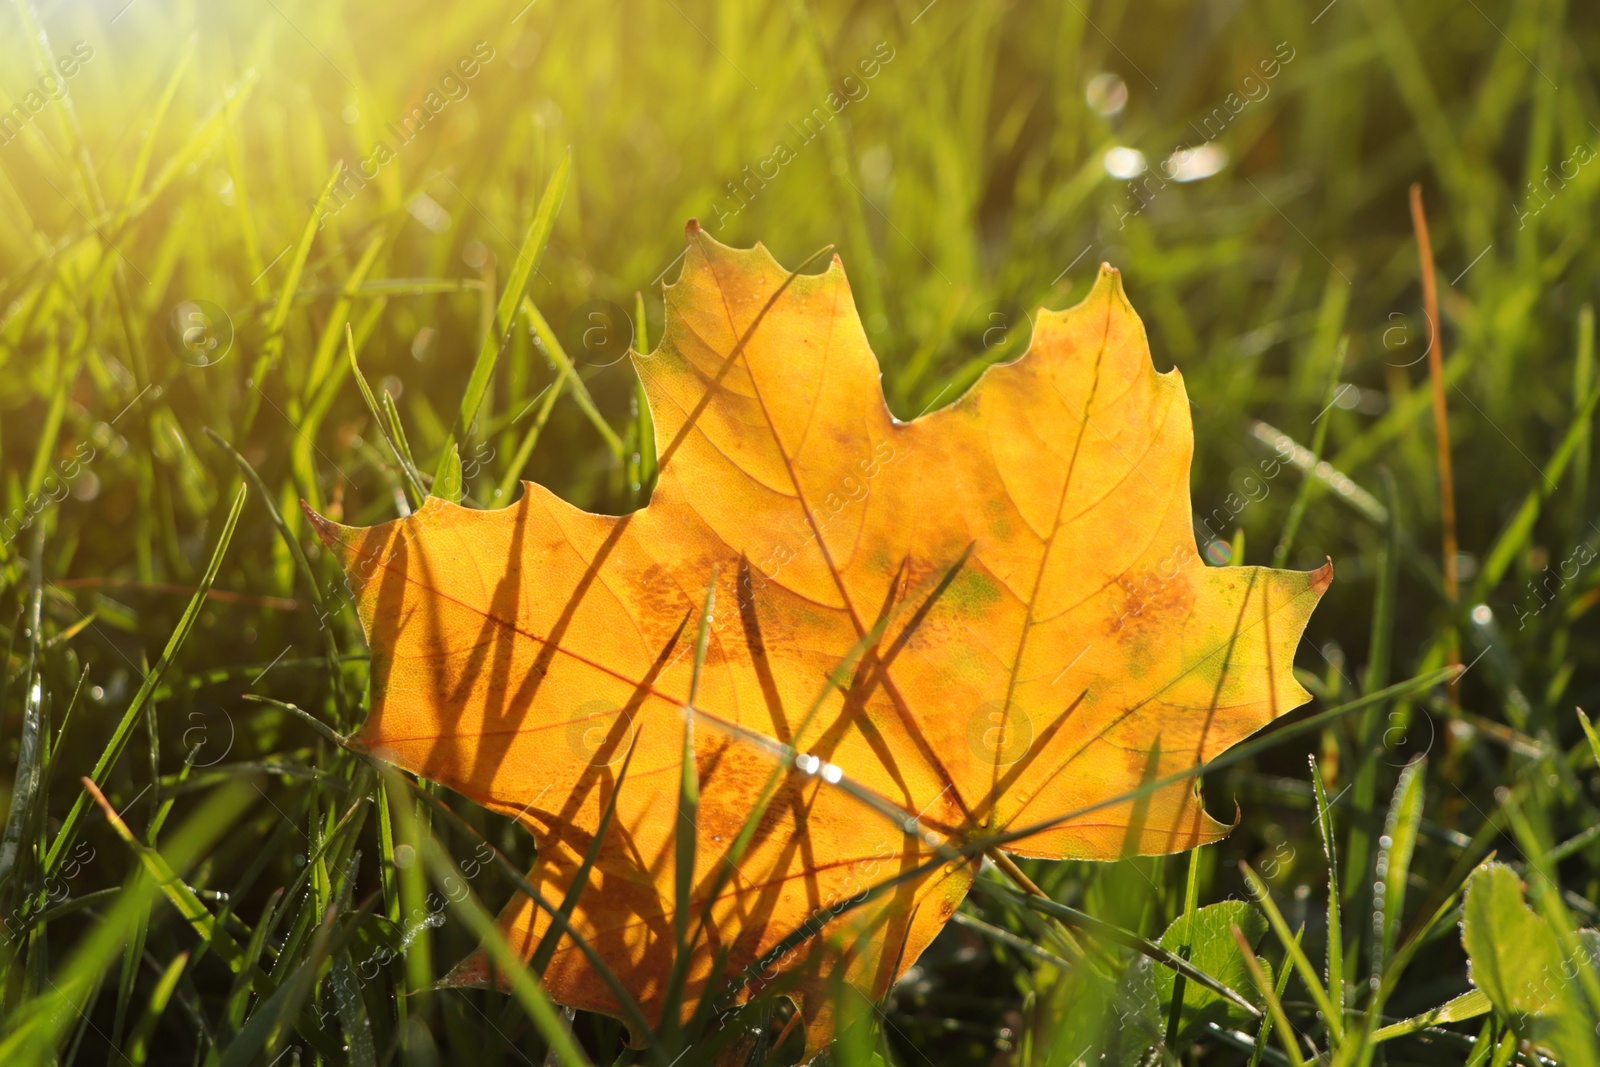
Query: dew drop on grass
x=1124, y=163
x=1193, y=164
x=1106, y=94
x=87, y=487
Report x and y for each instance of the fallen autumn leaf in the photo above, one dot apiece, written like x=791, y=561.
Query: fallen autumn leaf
x=1037, y=636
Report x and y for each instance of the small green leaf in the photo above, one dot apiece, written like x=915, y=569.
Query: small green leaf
x=1133, y=1017
x=1208, y=934
x=1516, y=961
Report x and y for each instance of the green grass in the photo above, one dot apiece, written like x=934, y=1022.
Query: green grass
x=267, y=894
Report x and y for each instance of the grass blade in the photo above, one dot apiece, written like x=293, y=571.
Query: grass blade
x=686, y=839
x=1330, y=853
x=41, y=1023
x=645, y=439
x=1286, y=1033
x=495, y=341
x=1468, y=1005
x=552, y=937
x=519, y=459
x=629, y=1006
x=1265, y=1032
x=119, y=738
x=139, y=1041
x=1191, y=904
x=401, y=458
x=1588, y=732
x=1302, y=497
x=28, y=783
x=1262, y=895
x=303, y=565
x=1394, y=865
x=552, y=347
x=172, y=886
x=272, y=346
x=524, y=988
x=1116, y=934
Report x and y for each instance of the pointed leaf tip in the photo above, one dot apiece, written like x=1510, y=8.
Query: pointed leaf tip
x=474, y=972
x=1108, y=283
x=327, y=530
x=1322, y=577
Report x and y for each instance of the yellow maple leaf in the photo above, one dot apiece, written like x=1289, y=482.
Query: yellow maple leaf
x=1050, y=639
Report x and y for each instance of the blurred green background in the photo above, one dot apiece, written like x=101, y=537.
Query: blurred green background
x=1244, y=163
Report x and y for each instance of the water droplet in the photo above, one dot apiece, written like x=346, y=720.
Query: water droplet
x=1124, y=162
x=1106, y=94
x=1192, y=164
